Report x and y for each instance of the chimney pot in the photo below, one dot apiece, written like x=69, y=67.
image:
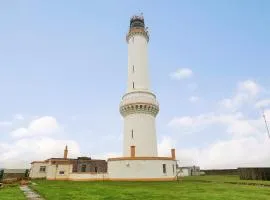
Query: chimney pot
x=132, y=151
x=173, y=153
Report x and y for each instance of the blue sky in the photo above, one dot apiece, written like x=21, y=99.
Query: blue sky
x=68, y=60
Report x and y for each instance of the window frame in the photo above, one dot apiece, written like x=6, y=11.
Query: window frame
x=42, y=169
x=61, y=172
x=164, y=168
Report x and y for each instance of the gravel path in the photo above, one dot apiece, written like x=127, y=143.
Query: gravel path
x=29, y=193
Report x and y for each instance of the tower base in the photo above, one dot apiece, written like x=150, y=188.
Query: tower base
x=142, y=169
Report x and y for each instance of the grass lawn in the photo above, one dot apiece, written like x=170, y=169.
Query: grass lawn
x=224, y=179
x=187, y=189
x=11, y=193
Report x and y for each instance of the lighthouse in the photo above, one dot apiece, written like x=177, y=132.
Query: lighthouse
x=139, y=108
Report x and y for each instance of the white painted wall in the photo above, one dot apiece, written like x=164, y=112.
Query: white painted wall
x=137, y=57
x=144, y=135
x=141, y=123
x=88, y=176
x=35, y=170
x=54, y=171
x=141, y=169
x=185, y=172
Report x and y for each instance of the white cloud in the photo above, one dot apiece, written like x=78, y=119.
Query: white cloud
x=107, y=155
x=165, y=146
x=233, y=153
x=235, y=123
x=42, y=126
x=249, y=87
x=182, y=73
x=247, y=91
x=22, y=152
x=33, y=143
x=193, y=99
x=263, y=103
x=246, y=143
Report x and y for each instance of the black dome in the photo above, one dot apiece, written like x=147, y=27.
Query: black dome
x=137, y=22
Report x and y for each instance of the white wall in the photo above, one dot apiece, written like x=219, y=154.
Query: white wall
x=35, y=170
x=185, y=172
x=137, y=57
x=144, y=135
x=88, y=176
x=141, y=169
x=54, y=171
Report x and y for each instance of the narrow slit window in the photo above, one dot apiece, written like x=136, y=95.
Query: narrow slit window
x=133, y=85
x=133, y=70
x=173, y=168
x=132, y=136
x=164, y=168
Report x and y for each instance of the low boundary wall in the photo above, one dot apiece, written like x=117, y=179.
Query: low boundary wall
x=221, y=171
x=259, y=173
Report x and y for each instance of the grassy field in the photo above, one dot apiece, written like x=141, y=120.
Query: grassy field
x=190, y=188
x=11, y=193
x=224, y=179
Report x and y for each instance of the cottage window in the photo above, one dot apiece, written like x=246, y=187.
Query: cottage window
x=96, y=169
x=83, y=168
x=42, y=169
x=62, y=172
x=164, y=168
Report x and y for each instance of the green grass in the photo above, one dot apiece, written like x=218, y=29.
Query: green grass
x=187, y=189
x=11, y=193
x=224, y=179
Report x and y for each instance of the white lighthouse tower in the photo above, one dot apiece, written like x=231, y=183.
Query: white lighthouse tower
x=139, y=106
x=139, y=109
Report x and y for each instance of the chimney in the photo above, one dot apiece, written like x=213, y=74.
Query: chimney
x=66, y=152
x=132, y=151
x=173, y=153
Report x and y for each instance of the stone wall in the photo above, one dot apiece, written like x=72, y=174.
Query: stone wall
x=88, y=165
x=254, y=173
x=221, y=171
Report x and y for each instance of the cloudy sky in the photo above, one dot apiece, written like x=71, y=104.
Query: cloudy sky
x=63, y=71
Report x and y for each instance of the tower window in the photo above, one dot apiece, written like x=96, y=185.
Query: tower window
x=164, y=168
x=132, y=136
x=133, y=85
x=133, y=70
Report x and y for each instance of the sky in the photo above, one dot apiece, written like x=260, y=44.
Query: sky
x=63, y=71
